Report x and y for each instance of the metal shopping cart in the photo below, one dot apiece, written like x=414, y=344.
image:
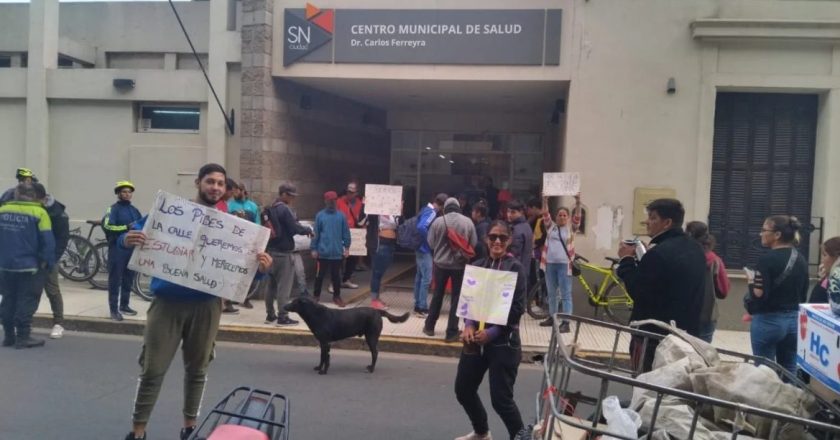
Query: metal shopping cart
x=246, y=414
x=563, y=413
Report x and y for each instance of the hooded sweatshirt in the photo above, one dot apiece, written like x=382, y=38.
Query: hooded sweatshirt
x=444, y=256
x=332, y=234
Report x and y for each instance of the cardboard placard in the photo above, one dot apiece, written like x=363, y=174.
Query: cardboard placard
x=486, y=295
x=561, y=184
x=383, y=199
x=358, y=237
x=199, y=247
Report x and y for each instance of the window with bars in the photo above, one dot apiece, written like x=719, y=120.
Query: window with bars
x=763, y=164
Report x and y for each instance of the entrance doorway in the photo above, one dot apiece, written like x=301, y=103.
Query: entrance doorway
x=430, y=162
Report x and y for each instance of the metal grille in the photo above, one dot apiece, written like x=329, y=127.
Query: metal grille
x=763, y=164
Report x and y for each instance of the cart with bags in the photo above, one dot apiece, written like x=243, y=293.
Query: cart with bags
x=694, y=391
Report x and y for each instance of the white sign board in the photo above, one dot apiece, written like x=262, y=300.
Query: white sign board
x=383, y=199
x=561, y=184
x=199, y=247
x=302, y=242
x=358, y=236
x=818, y=347
x=486, y=295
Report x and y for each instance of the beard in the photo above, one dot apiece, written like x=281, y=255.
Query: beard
x=207, y=199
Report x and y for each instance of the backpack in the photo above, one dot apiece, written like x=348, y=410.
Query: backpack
x=267, y=219
x=459, y=244
x=408, y=236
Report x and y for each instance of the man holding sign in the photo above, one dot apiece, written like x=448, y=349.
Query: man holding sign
x=491, y=335
x=179, y=316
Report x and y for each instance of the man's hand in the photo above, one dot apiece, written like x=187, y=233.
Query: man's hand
x=315, y=255
x=134, y=238
x=481, y=337
x=468, y=335
x=265, y=262
x=346, y=252
x=626, y=250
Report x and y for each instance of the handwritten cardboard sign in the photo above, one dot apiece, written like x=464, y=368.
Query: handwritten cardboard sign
x=486, y=295
x=383, y=199
x=561, y=184
x=358, y=237
x=199, y=247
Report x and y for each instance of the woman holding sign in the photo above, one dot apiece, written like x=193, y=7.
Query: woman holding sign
x=493, y=348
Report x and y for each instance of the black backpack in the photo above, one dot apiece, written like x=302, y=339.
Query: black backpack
x=408, y=236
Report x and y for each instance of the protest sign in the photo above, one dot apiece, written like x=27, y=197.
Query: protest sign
x=561, y=184
x=358, y=236
x=199, y=247
x=486, y=295
x=383, y=199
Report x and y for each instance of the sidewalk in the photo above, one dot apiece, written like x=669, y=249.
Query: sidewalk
x=86, y=309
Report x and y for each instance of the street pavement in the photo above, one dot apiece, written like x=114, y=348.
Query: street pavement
x=82, y=387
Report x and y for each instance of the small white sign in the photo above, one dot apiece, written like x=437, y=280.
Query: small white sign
x=561, y=184
x=818, y=344
x=358, y=237
x=486, y=295
x=383, y=199
x=199, y=247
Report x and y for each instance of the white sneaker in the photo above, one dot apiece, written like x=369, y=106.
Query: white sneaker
x=349, y=285
x=57, y=332
x=474, y=436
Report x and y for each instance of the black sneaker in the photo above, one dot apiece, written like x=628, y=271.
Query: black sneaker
x=128, y=311
x=187, y=432
x=270, y=319
x=116, y=316
x=284, y=321
x=564, y=328
x=247, y=304
x=453, y=338
x=230, y=310
x=130, y=436
x=428, y=331
x=29, y=342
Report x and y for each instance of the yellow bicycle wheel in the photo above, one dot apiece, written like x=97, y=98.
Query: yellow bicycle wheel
x=617, y=304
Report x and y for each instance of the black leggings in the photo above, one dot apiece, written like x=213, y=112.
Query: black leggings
x=333, y=267
x=501, y=358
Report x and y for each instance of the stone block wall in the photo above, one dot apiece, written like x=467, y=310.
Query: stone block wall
x=317, y=140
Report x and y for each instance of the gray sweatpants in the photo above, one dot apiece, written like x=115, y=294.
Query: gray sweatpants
x=300, y=274
x=279, y=285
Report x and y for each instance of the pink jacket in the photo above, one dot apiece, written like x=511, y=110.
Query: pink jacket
x=721, y=279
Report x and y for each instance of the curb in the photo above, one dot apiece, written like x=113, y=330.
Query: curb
x=250, y=335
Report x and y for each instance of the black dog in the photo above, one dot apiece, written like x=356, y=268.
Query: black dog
x=329, y=325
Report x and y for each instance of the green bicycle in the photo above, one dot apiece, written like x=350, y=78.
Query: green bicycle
x=609, y=293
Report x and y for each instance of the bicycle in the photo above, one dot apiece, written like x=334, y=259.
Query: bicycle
x=80, y=262
x=608, y=293
x=537, y=301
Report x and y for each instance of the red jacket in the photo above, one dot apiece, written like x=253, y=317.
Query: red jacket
x=354, y=214
x=721, y=279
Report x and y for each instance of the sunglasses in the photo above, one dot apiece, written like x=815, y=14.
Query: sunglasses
x=501, y=238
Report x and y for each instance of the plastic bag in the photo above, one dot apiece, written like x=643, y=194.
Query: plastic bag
x=624, y=422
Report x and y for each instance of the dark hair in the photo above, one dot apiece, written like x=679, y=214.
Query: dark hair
x=700, y=232
x=211, y=168
x=440, y=199
x=832, y=246
x=230, y=183
x=668, y=209
x=501, y=224
x=563, y=208
x=534, y=202
x=516, y=205
x=787, y=225
x=26, y=192
x=481, y=207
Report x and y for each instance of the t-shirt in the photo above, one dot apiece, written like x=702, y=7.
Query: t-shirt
x=555, y=253
x=247, y=206
x=791, y=292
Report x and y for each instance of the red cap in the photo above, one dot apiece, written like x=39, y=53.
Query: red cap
x=330, y=195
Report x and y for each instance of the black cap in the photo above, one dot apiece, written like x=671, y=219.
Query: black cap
x=287, y=188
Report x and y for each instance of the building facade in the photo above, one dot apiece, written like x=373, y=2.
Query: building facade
x=732, y=106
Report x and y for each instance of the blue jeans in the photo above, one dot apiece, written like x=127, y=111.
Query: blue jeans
x=773, y=336
x=707, y=331
x=381, y=261
x=120, y=278
x=422, y=280
x=559, y=285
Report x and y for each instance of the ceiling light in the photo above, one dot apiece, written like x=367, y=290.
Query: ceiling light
x=452, y=162
x=428, y=148
x=441, y=156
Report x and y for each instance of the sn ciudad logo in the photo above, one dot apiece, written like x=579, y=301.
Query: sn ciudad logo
x=306, y=30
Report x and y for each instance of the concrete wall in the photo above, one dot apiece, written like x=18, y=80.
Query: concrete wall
x=83, y=168
x=319, y=148
x=12, y=118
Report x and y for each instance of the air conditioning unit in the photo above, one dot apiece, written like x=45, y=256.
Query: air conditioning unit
x=145, y=124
